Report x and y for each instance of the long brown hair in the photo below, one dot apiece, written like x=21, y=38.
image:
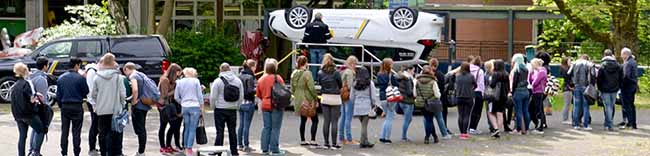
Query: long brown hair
x=170, y=74
x=328, y=63
x=464, y=68
x=386, y=66
x=301, y=61
x=566, y=62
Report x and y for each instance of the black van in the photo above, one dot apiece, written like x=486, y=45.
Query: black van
x=150, y=52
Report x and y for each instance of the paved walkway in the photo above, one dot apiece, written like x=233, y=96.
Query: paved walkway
x=559, y=139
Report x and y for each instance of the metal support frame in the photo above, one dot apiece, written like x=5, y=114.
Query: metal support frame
x=363, y=48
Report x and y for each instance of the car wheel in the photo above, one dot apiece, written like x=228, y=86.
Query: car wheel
x=297, y=17
x=403, y=18
x=51, y=95
x=6, y=83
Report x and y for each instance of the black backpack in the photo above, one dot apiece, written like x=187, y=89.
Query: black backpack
x=230, y=92
x=450, y=89
x=280, y=95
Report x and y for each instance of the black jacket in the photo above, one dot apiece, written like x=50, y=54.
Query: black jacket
x=21, y=105
x=465, y=85
x=330, y=82
x=316, y=32
x=610, y=76
x=440, y=78
x=249, y=82
x=71, y=88
x=520, y=80
x=500, y=78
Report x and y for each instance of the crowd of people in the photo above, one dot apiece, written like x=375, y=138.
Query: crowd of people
x=346, y=92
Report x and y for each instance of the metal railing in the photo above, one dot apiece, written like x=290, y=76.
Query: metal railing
x=365, y=52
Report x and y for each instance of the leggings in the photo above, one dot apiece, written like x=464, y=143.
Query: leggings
x=464, y=113
x=477, y=109
x=174, y=131
x=331, y=114
x=161, y=131
x=314, y=126
x=536, y=110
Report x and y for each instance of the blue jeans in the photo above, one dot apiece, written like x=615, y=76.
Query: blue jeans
x=36, y=140
x=345, y=123
x=271, y=131
x=23, y=126
x=408, y=115
x=441, y=123
x=316, y=57
x=608, y=102
x=522, y=116
x=191, y=116
x=580, y=107
x=246, y=112
x=389, y=110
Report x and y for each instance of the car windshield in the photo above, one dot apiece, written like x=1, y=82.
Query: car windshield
x=137, y=47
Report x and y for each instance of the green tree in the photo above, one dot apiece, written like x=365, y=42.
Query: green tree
x=91, y=20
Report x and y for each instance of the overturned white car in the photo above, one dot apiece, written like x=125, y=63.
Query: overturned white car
x=403, y=34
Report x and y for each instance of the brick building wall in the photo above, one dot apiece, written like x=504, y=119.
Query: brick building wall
x=487, y=38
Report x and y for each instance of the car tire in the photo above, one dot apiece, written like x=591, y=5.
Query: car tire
x=298, y=17
x=5, y=88
x=403, y=17
x=51, y=95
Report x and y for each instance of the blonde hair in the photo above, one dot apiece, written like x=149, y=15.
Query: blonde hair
x=189, y=72
x=129, y=66
x=489, y=65
x=108, y=61
x=536, y=63
x=352, y=60
x=328, y=63
x=270, y=66
x=21, y=70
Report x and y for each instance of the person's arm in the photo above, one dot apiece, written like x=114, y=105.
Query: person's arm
x=328, y=35
x=178, y=93
x=84, y=86
x=481, y=78
x=199, y=90
x=162, y=88
x=121, y=87
x=294, y=85
x=310, y=85
x=93, y=92
x=241, y=93
x=374, y=94
x=436, y=90
x=134, y=90
x=339, y=81
x=214, y=94
x=258, y=90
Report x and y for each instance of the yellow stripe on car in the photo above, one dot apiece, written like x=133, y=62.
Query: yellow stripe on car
x=53, y=66
x=361, y=28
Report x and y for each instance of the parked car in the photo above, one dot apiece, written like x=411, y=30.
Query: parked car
x=150, y=52
x=403, y=34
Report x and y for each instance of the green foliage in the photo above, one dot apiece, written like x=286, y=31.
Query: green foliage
x=204, y=51
x=92, y=20
x=644, y=82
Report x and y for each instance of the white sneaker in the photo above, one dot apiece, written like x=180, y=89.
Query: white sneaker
x=576, y=127
x=587, y=128
x=138, y=154
x=538, y=132
x=446, y=137
x=567, y=122
x=475, y=132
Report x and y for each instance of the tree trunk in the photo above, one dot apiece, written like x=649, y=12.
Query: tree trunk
x=625, y=20
x=166, y=18
x=151, y=17
x=117, y=11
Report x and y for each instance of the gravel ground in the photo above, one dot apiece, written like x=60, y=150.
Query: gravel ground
x=559, y=139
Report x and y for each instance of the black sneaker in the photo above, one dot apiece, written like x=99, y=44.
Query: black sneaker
x=496, y=134
x=426, y=141
x=384, y=141
x=622, y=124
x=335, y=147
x=367, y=145
x=435, y=140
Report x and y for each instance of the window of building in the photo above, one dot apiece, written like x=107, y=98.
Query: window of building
x=190, y=14
x=12, y=8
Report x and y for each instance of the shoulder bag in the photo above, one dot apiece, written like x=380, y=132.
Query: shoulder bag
x=307, y=107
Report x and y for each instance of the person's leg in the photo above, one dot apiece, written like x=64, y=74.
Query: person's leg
x=335, y=114
x=65, y=130
x=161, y=131
x=518, y=109
x=231, y=123
x=567, y=105
x=577, y=108
x=266, y=132
x=276, y=125
x=539, y=111
x=524, y=108
x=139, y=118
x=77, y=123
x=327, y=118
x=220, y=125
x=389, y=111
x=427, y=118
x=93, y=132
x=22, y=136
x=492, y=117
x=408, y=115
x=240, y=129
x=104, y=123
x=586, y=113
x=314, y=127
x=608, y=103
x=173, y=133
x=477, y=108
x=364, y=130
x=631, y=110
x=116, y=141
x=194, y=117
x=533, y=110
x=247, y=126
x=441, y=124
x=303, y=121
x=344, y=124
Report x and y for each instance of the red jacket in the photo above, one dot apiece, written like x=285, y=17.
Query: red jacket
x=263, y=91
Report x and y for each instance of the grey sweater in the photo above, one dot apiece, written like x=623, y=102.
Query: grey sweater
x=465, y=85
x=216, y=94
x=109, y=92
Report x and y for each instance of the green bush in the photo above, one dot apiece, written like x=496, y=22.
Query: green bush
x=204, y=51
x=644, y=82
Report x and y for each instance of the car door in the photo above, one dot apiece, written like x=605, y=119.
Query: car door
x=88, y=51
x=59, y=55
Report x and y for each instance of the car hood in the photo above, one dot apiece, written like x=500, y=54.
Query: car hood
x=8, y=63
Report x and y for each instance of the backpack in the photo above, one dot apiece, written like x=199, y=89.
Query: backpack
x=230, y=92
x=450, y=89
x=149, y=93
x=280, y=95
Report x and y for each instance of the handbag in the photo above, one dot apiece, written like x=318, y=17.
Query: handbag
x=591, y=93
x=307, y=109
x=168, y=112
x=201, y=136
x=493, y=94
x=345, y=92
x=374, y=109
x=392, y=92
x=280, y=95
x=122, y=119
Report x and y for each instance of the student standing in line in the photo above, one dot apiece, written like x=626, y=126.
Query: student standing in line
x=477, y=108
x=406, y=83
x=582, y=74
x=109, y=93
x=499, y=80
x=39, y=80
x=427, y=88
x=440, y=80
x=566, y=90
x=520, y=94
x=302, y=87
x=167, y=85
x=629, y=87
x=23, y=102
x=272, y=117
x=190, y=94
x=331, y=83
x=90, y=74
x=363, y=99
x=247, y=108
x=71, y=90
x=347, y=110
x=609, y=80
x=538, y=80
x=465, y=87
x=225, y=101
x=385, y=78
x=139, y=110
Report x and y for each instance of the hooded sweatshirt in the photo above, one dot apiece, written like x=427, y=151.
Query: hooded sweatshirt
x=479, y=76
x=538, y=80
x=610, y=75
x=39, y=80
x=109, y=92
x=216, y=96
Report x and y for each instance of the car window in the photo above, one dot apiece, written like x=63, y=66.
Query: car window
x=397, y=54
x=58, y=50
x=89, y=48
x=137, y=47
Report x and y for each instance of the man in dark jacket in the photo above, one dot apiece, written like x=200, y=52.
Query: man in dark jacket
x=316, y=32
x=609, y=79
x=247, y=108
x=72, y=89
x=629, y=87
x=582, y=75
